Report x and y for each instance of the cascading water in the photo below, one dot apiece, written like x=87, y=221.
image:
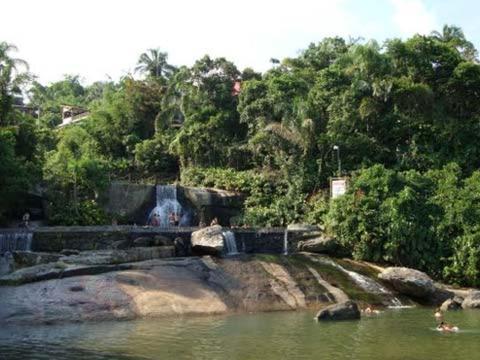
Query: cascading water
x=366, y=283
x=9, y=242
x=12, y=241
x=285, y=242
x=230, y=243
x=168, y=206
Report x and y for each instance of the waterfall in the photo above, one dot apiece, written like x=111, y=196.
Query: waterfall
x=166, y=204
x=230, y=243
x=11, y=241
x=364, y=282
x=285, y=242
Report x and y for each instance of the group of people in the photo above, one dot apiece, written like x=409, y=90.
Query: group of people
x=441, y=324
x=173, y=219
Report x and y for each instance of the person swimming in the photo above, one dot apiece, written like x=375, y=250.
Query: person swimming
x=438, y=314
x=369, y=310
x=443, y=326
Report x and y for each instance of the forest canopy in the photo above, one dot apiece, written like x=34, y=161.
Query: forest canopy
x=405, y=116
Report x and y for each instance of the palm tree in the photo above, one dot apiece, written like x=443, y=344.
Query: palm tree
x=10, y=80
x=154, y=63
x=7, y=60
x=453, y=35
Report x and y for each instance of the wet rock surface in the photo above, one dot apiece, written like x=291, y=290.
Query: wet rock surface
x=472, y=301
x=347, y=310
x=452, y=304
x=415, y=284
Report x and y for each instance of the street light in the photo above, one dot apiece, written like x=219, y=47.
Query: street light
x=337, y=149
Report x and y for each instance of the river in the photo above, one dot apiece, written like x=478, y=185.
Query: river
x=406, y=334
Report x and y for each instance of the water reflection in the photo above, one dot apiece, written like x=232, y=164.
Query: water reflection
x=401, y=334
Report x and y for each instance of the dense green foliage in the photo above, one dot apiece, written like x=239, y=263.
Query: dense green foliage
x=405, y=116
x=427, y=221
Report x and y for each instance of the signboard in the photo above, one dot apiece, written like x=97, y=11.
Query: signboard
x=338, y=186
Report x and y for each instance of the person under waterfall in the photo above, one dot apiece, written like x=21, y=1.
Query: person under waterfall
x=171, y=219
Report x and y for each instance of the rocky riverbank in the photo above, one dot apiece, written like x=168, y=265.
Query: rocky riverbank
x=147, y=278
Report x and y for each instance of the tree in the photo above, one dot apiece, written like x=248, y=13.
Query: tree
x=453, y=35
x=11, y=81
x=154, y=64
x=75, y=170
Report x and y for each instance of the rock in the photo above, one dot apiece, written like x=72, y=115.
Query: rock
x=160, y=240
x=181, y=247
x=321, y=244
x=54, y=271
x=208, y=241
x=347, y=310
x=143, y=241
x=7, y=263
x=107, y=257
x=416, y=284
x=27, y=258
x=68, y=252
x=122, y=244
x=154, y=288
x=472, y=301
x=452, y=304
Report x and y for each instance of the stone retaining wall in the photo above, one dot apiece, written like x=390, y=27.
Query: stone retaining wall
x=254, y=240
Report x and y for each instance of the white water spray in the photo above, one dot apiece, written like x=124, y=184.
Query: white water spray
x=230, y=243
x=167, y=204
x=364, y=282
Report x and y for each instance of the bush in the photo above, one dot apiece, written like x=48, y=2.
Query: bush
x=88, y=212
x=427, y=221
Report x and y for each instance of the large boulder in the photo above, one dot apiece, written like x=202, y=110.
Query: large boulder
x=320, y=244
x=472, y=301
x=208, y=241
x=347, y=310
x=415, y=284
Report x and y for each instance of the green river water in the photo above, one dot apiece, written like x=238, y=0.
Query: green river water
x=405, y=334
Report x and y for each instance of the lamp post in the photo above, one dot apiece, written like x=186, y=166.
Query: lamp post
x=337, y=149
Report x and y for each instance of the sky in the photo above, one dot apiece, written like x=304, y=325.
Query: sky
x=102, y=39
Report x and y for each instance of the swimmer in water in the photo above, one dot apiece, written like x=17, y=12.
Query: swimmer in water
x=443, y=326
x=369, y=310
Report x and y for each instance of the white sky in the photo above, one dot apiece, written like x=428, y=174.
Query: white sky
x=96, y=38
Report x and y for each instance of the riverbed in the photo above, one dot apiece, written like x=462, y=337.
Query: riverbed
x=394, y=334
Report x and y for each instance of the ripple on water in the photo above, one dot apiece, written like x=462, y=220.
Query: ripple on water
x=394, y=334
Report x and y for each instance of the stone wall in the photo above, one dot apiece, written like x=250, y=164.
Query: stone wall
x=54, y=239
x=132, y=203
